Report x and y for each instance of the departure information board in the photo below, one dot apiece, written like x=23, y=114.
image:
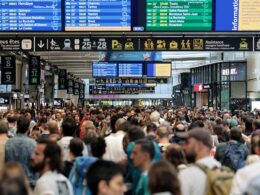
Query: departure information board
x=104, y=70
x=237, y=15
x=97, y=15
x=130, y=70
x=30, y=15
x=179, y=15
x=158, y=70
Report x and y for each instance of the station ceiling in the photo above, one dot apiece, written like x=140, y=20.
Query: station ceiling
x=80, y=63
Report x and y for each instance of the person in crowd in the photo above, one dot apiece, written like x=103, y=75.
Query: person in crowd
x=233, y=154
x=114, y=142
x=12, y=174
x=155, y=118
x=11, y=119
x=197, y=148
x=105, y=178
x=218, y=131
x=142, y=157
x=77, y=120
x=179, y=134
x=3, y=140
x=163, y=179
x=68, y=129
x=86, y=127
x=47, y=161
x=163, y=138
x=256, y=126
x=151, y=131
x=59, y=119
x=175, y=155
x=81, y=165
x=76, y=149
x=28, y=115
x=246, y=175
x=21, y=147
x=53, y=129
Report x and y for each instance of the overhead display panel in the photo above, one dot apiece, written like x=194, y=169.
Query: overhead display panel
x=104, y=70
x=158, y=70
x=237, y=15
x=178, y=15
x=130, y=70
x=97, y=15
x=30, y=15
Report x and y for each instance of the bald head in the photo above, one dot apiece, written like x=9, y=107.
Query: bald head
x=120, y=125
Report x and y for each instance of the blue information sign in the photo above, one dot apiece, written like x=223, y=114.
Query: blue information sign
x=97, y=15
x=104, y=70
x=30, y=15
x=130, y=70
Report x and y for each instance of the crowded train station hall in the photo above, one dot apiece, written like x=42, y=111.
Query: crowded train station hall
x=129, y=97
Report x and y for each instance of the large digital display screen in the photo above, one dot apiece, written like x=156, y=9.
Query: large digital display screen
x=30, y=15
x=237, y=15
x=104, y=70
x=178, y=15
x=97, y=15
x=130, y=70
x=158, y=70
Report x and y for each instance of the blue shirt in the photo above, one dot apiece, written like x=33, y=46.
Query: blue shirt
x=20, y=149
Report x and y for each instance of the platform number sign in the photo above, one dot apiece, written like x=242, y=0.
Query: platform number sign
x=34, y=70
x=70, y=86
x=8, y=70
x=62, y=79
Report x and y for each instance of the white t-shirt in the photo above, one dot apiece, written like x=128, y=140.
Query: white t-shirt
x=114, y=148
x=53, y=183
x=64, y=144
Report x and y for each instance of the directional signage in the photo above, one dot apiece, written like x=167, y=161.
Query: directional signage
x=62, y=79
x=4, y=99
x=34, y=70
x=197, y=44
x=81, y=91
x=16, y=44
x=70, y=86
x=8, y=70
x=129, y=44
x=76, y=88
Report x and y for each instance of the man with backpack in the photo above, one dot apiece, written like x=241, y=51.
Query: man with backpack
x=233, y=154
x=194, y=178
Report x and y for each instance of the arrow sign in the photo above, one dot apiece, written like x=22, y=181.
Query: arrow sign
x=41, y=45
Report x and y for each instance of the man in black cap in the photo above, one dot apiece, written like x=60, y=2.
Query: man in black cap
x=197, y=146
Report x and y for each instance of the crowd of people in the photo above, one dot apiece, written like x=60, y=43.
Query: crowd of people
x=129, y=150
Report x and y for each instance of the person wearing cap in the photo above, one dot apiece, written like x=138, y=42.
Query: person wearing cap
x=197, y=146
x=179, y=135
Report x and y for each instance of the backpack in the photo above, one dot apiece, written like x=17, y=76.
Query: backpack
x=77, y=175
x=219, y=180
x=234, y=156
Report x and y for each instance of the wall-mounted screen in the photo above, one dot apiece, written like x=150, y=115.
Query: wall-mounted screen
x=97, y=15
x=130, y=70
x=30, y=15
x=178, y=15
x=158, y=70
x=237, y=15
x=104, y=70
